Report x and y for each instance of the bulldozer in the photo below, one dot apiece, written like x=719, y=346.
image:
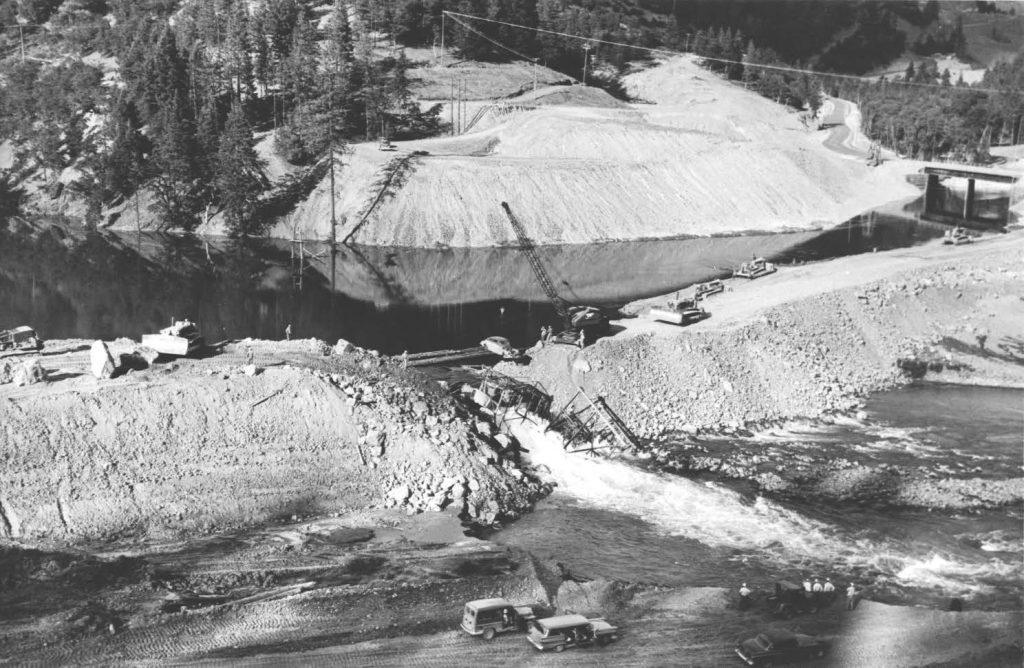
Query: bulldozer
x=681, y=312
x=756, y=268
x=23, y=337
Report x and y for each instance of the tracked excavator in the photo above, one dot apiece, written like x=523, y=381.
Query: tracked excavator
x=588, y=320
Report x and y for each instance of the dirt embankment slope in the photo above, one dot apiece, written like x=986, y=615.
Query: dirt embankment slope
x=810, y=339
x=810, y=342
x=199, y=445
x=577, y=167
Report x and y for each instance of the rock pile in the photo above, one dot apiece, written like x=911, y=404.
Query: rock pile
x=392, y=416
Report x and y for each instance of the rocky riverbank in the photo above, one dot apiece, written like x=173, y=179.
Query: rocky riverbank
x=811, y=342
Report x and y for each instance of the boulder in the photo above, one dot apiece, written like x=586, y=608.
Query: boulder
x=6, y=372
x=400, y=493
x=251, y=370
x=342, y=347
x=100, y=361
x=420, y=407
x=29, y=373
x=581, y=365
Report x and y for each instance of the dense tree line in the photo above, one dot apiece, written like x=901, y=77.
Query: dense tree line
x=180, y=119
x=950, y=119
x=180, y=122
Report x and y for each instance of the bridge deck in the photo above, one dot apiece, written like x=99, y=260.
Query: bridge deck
x=977, y=173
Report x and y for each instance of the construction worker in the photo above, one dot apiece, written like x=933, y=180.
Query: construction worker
x=829, y=589
x=288, y=332
x=851, y=596
x=405, y=359
x=583, y=339
x=745, y=599
x=807, y=585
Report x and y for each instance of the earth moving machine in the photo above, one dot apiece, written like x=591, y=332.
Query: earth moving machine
x=702, y=290
x=180, y=339
x=20, y=337
x=756, y=268
x=588, y=320
x=681, y=312
x=957, y=236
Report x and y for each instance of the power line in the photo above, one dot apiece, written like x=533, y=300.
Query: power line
x=779, y=68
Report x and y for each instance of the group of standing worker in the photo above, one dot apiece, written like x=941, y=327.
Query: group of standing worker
x=823, y=592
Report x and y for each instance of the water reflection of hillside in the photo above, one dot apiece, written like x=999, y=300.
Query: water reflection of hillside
x=108, y=286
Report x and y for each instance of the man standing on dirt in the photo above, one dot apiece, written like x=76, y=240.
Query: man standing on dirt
x=288, y=332
x=744, y=596
x=851, y=597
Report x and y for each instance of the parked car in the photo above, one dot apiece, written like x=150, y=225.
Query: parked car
x=490, y=616
x=790, y=599
x=501, y=346
x=779, y=646
x=558, y=633
x=20, y=337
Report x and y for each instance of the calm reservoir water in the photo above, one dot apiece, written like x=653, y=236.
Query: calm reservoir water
x=391, y=299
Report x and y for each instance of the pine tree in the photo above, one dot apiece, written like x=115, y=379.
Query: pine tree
x=166, y=80
x=178, y=183
x=123, y=167
x=240, y=178
x=237, y=51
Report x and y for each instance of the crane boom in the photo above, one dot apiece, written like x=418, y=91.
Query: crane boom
x=526, y=245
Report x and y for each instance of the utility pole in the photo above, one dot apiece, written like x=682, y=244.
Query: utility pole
x=586, y=60
x=451, y=105
x=441, y=61
x=534, y=75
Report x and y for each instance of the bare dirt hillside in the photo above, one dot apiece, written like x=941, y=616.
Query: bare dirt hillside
x=577, y=166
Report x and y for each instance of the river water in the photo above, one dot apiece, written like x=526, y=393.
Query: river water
x=612, y=519
x=391, y=299
x=617, y=520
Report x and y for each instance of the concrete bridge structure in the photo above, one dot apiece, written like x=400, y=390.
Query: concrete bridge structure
x=963, y=206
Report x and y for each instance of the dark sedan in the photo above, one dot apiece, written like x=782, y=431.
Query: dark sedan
x=777, y=647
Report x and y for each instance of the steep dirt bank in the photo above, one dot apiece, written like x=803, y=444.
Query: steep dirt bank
x=808, y=342
x=202, y=445
x=577, y=166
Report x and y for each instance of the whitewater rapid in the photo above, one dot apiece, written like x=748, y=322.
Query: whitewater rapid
x=760, y=528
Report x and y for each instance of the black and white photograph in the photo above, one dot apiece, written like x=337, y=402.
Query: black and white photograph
x=471, y=333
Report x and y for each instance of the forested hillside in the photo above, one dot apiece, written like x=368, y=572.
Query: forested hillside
x=154, y=103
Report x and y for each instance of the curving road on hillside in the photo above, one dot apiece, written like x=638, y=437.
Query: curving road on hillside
x=844, y=136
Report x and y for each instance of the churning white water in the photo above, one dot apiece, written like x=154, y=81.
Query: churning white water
x=919, y=551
